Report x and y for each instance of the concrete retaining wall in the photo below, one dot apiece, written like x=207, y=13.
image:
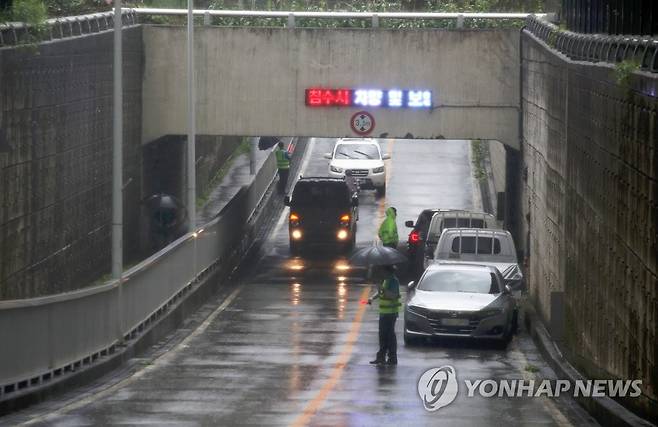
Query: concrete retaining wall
x=590, y=213
x=56, y=161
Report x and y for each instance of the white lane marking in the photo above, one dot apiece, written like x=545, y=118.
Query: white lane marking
x=163, y=359
x=302, y=171
x=548, y=403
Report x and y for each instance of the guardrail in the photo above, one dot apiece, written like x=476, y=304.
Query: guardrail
x=43, y=338
x=14, y=33
x=597, y=47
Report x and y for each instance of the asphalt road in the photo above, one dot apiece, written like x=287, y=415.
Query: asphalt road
x=288, y=341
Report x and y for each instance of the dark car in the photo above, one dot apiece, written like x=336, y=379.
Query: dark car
x=323, y=211
x=416, y=239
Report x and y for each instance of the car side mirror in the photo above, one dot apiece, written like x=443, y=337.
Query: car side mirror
x=286, y=200
x=327, y=156
x=411, y=285
x=386, y=157
x=409, y=224
x=508, y=289
x=355, y=201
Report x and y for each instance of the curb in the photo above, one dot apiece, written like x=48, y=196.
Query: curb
x=604, y=409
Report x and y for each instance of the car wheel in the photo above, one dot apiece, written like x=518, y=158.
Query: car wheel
x=381, y=191
x=506, y=339
x=515, y=322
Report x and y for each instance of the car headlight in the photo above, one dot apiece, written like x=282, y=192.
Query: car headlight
x=490, y=312
x=336, y=169
x=378, y=170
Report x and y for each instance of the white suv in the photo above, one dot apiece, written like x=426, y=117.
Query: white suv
x=361, y=159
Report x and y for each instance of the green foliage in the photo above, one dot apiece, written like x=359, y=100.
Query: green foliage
x=379, y=6
x=479, y=150
x=623, y=72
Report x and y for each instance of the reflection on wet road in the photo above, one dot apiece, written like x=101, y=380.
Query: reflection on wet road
x=291, y=344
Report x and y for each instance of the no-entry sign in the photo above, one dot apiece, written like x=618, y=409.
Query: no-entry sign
x=362, y=122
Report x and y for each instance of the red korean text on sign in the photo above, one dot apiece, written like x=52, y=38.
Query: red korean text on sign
x=320, y=97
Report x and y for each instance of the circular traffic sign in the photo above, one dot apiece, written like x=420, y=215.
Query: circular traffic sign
x=362, y=122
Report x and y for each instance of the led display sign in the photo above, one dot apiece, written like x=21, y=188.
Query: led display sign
x=391, y=98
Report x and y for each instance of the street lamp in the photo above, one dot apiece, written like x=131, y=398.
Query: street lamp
x=191, y=120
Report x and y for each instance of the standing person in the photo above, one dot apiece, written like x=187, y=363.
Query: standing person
x=388, y=231
x=389, y=306
x=283, y=165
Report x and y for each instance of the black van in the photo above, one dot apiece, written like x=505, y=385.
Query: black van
x=323, y=211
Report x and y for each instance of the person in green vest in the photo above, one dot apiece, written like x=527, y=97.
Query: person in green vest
x=389, y=306
x=283, y=166
x=388, y=230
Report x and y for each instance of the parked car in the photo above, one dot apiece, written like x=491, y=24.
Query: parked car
x=361, y=159
x=323, y=211
x=454, y=219
x=460, y=300
x=416, y=240
x=482, y=246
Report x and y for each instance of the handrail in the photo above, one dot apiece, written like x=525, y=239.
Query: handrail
x=336, y=15
x=15, y=33
x=597, y=47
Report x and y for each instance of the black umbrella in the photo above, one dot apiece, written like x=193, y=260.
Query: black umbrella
x=377, y=255
x=265, y=142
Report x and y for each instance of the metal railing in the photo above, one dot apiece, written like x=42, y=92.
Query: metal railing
x=44, y=338
x=597, y=47
x=15, y=33
x=12, y=34
x=373, y=17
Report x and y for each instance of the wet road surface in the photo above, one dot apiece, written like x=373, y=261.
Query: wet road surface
x=289, y=341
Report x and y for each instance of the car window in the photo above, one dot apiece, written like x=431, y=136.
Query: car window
x=320, y=194
x=469, y=281
x=462, y=223
x=467, y=245
x=357, y=151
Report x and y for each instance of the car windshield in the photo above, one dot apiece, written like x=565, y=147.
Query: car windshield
x=469, y=281
x=320, y=194
x=357, y=151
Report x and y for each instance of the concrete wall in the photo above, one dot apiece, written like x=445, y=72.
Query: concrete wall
x=55, y=161
x=251, y=81
x=590, y=213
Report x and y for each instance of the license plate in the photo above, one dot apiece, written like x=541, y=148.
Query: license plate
x=454, y=322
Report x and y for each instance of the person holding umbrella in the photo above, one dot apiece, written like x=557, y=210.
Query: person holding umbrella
x=388, y=230
x=389, y=306
x=388, y=294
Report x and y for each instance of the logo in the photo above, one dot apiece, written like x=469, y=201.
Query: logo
x=437, y=387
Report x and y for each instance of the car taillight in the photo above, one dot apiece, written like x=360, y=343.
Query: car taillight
x=414, y=237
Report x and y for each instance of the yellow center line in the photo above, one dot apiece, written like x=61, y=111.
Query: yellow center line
x=338, y=369
x=381, y=208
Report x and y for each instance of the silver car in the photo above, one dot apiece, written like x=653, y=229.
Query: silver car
x=460, y=300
